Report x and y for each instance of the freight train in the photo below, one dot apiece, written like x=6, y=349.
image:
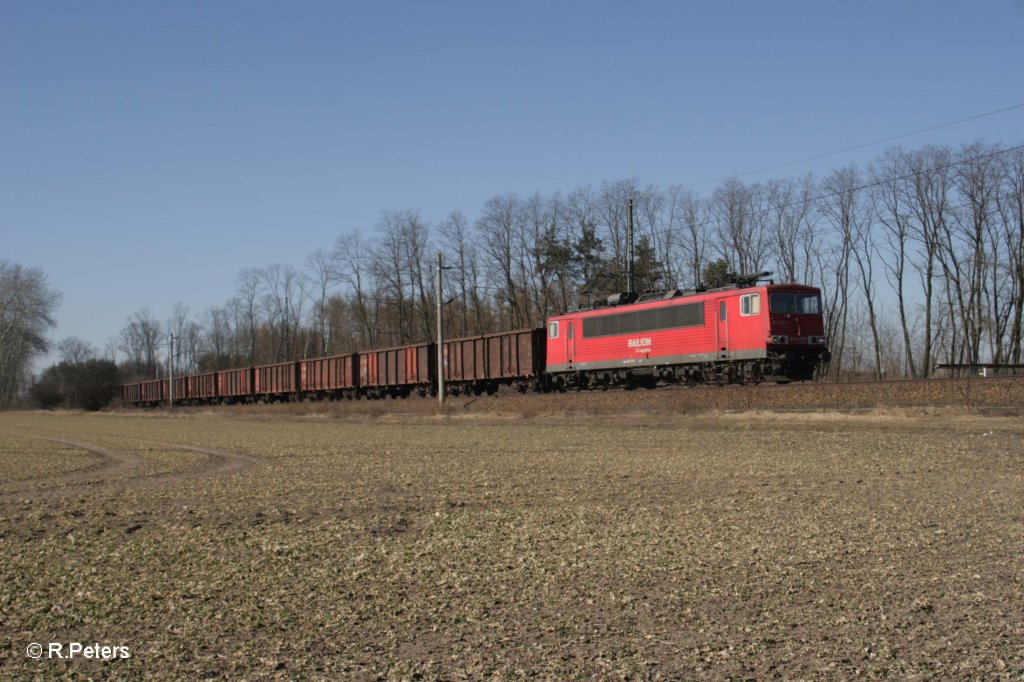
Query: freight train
x=744, y=333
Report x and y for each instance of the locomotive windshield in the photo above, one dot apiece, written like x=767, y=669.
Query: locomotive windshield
x=801, y=304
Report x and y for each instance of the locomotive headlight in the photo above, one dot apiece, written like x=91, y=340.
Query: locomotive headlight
x=780, y=339
x=817, y=340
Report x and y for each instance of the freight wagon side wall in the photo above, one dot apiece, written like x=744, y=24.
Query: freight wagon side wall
x=131, y=393
x=180, y=388
x=348, y=375
x=505, y=356
x=392, y=368
x=419, y=363
x=328, y=374
x=465, y=359
x=314, y=375
x=202, y=386
x=153, y=391
x=402, y=366
x=368, y=369
x=277, y=379
x=234, y=383
x=513, y=355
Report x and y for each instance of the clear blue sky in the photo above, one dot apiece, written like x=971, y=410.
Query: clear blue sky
x=151, y=150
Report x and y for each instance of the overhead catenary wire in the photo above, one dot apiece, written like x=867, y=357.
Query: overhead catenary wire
x=858, y=188
x=856, y=147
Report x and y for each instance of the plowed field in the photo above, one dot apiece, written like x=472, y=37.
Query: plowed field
x=505, y=540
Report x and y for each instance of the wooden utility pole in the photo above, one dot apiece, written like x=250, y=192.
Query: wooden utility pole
x=170, y=365
x=629, y=248
x=440, y=331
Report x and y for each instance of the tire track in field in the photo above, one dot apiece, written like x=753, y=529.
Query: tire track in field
x=117, y=463
x=220, y=463
x=112, y=463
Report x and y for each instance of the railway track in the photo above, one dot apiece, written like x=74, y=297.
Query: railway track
x=986, y=393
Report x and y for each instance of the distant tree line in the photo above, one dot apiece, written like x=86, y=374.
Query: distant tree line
x=80, y=380
x=920, y=258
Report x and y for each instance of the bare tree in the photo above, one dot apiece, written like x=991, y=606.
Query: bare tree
x=354, y=261
x=538, y=240
x=110, y=349
x=464, y=277
x=237, y=313
x=282, y=303
x=216, y=334
x=891, y=198
x=978, y=297
x=789, y=213
x=655, y=221
x=739, y=218
x=27, y=304
x=695, y=228
x=837, y=208
x=323, y=274
x=187, y=339
x=555, y=258
x=662, y=220
x=399, y=266
x=848, y=212
x=75, y=351
x=250, y=287
x=140, y=341
x=1010, y=209
x=612, y=212
x=928, y=171
x=587, y=246
x=498, y=235
x=415, y=232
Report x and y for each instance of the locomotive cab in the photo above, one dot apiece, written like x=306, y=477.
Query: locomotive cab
x=796, y=330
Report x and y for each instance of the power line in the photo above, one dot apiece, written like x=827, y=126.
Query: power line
x=828, y=195
x=859, y=146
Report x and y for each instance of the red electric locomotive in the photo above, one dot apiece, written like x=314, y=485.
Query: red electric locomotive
x=744, y=333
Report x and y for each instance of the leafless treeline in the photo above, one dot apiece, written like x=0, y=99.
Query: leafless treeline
x=920, y=258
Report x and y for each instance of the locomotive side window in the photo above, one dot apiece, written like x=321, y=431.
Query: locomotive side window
x=801, y=304
x=552, y=330
x=721, y=311
x=750, y=304
x=686, y=315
